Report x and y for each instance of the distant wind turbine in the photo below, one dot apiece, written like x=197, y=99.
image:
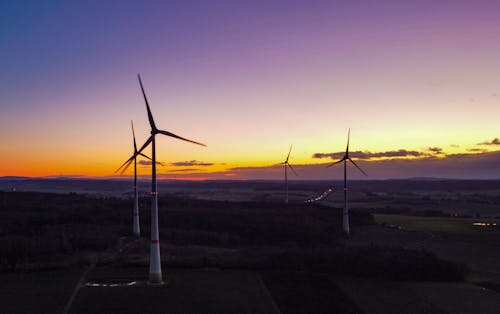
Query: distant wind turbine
x=345, y=214
x=136, y=229
x=287, y=165
x=155, y=275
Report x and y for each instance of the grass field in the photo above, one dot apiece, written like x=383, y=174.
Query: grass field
x=187, y=291
x=37, y=292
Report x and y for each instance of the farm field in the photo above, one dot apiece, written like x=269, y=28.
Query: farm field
x=303, y=292
x=37, y=292
x=187, y=291
x=387, y=297
x=252, y=253
x=455, y=239
x=444, y=225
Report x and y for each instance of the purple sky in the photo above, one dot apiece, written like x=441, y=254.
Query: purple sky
x=249, y=78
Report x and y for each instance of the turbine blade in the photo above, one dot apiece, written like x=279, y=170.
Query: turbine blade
x=133, y=135
x=128, y=160
x=288, y=156
x=348, y=137
x=139, y=152
x=358, y=167
x=126, y=166
x=144, y=145
x=150, y=115
x=178, y=137
x=145, y=156
x=336, y=163
x=292, y=169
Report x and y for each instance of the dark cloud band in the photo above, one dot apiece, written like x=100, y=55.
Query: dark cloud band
x=191, y=163
x=369, y=155
x=494, y=141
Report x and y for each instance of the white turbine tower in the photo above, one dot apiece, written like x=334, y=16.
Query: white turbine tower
x=286, y=164
x=155, y=275
x=136, y=229
x=345, y=213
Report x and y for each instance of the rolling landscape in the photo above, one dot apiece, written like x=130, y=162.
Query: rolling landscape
x=409, y=238
x=293, y=157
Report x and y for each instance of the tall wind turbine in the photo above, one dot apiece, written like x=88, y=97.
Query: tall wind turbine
x=345, y=213
x=287, y=165
x=136, y=229
x=155, y=275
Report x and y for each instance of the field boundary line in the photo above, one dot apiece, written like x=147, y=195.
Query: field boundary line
x=79, y=284
x=267, y=293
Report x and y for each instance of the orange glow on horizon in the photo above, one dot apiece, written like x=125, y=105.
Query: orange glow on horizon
x=104, y=165
x=183, y=179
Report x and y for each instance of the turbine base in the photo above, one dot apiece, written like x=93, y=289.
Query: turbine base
x=155, y=279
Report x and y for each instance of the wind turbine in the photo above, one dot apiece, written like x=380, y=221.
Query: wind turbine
x=155, y=275
x=136, y=229
x=286, y=166
x=345, y=213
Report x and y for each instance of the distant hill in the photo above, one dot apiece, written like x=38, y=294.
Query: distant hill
x=123, y=186
x=426, y=179
x=13, y=178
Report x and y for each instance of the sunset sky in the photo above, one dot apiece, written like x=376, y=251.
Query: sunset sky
x=418, y=83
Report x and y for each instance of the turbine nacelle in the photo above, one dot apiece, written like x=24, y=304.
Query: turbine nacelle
x=134, y=155
x=154, y=129
x=345, y=213
x=155, y=275
x=154, y=132
x=346, y=156
x=287, y=164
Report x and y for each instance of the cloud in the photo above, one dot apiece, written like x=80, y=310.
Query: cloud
x=455, y=145
x=435, y=150
x=477, y=165
x=191, y=163
x=477, y=150
x=184, y=170
x=328, y=155
x=369, y=155
x=148, y=163
x=495, y=141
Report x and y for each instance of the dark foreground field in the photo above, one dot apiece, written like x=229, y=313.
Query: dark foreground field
x=187, y=291
x=248, y=256
x=37, y=292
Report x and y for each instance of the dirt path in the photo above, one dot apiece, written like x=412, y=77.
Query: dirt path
x=79, y=284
